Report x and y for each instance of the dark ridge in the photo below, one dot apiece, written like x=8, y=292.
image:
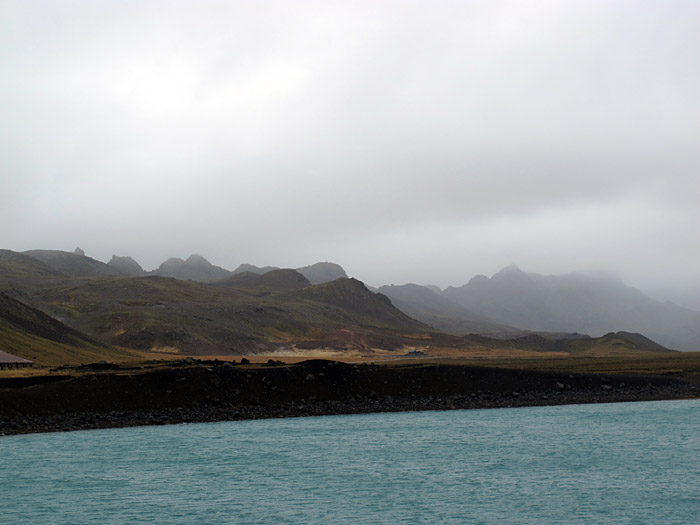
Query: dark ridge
x=351, y=295
x=323, y=272
x=431, y=308
x=126, y=266
x=15, y=265
x=72, y=264
x=274, y=281
x=635, y=341
x=254, y=269
x=195, y=268
x=589, y=304
x=32, y=321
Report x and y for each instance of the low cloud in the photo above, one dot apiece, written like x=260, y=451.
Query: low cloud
x=407, y=142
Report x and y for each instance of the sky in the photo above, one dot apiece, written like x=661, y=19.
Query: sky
x=408, y=141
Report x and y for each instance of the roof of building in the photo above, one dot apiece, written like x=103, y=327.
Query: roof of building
x=9, y=358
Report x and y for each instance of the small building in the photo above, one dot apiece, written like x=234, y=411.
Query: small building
x=12, y=361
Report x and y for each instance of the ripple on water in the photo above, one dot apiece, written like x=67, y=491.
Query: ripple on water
x=625, y=462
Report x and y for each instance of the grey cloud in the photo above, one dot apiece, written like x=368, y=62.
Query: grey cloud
x=399, y=139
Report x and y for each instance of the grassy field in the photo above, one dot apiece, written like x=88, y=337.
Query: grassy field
x=44, y=352
x=685, y=365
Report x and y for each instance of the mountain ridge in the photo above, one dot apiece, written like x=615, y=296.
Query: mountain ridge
x=194, y=268
x=32, y=334
x=576, y=303
x=435, y=310
x=508, y=304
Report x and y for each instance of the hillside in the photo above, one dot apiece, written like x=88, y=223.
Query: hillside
x=437, y=311
x=318, y=273
x=323, y=272
x=608, y=344
x=576, y=303
x=126, y=266
x=156, y=313
x=72, y=264
x=265, y=283
x=352, y=299
x=30, y=333
x=52, y=263
x=250, y=268
x=15, y=266
x=200, y=312
x=195, y=268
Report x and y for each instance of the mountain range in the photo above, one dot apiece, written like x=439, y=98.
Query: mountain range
x=586, y=304
x=513, y=301
x=195, y=307
x=244, y=312
x=194, y=268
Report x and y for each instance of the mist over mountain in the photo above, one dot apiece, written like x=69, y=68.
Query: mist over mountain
x=15, y=265
x=245, y=312
x=34, y=335
x=195, y=268
x=323, y=272
x=426, y=143
x=126, y=266
x=424, y=304
x=72, y=264
x=318, y=273
x=181, y=316
x=510, y=301
x=350, y=295
x=587, y=304
x=278, y=280
x=245, y=267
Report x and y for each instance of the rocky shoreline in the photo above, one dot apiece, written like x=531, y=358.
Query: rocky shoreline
x=208, y=391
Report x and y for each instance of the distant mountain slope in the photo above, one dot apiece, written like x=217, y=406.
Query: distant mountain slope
x=352, y=296
x=318, y=273
x=273, y=281
x=152, y=313
x=126, y=266
x=72, y=264
x=633, y=342
x=195, y=268
x=30, y=333
x=227, y=310
x=576, y=303
x=253, y=269
x=439, y=312
x=621, y=343
x=323, y=272
x=15, y=265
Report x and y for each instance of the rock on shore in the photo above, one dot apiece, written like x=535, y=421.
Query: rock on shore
x=202, y=391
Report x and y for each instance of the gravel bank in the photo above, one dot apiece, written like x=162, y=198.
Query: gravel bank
x=194, y=392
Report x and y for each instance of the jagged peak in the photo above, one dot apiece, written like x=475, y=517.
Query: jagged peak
x=511, y=269
x=173, y=260
x=478, y=279
x=246, y=267
x=323, y=272
x=126, y=265
x=117, y=258
x=198, y=259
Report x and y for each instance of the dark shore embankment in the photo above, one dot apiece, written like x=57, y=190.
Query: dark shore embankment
x=218, y=391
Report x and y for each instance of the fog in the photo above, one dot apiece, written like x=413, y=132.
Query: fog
x=407, y=141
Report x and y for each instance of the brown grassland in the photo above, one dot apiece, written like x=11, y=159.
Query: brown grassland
x=683, y=365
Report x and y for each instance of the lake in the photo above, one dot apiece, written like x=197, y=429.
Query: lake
x=607, y=463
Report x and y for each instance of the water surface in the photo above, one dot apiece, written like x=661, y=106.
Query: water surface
x=613, y=463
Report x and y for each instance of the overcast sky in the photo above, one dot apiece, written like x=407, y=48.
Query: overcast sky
x=407, y=141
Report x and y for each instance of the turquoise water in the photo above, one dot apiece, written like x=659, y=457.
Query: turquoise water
x=615, y=463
